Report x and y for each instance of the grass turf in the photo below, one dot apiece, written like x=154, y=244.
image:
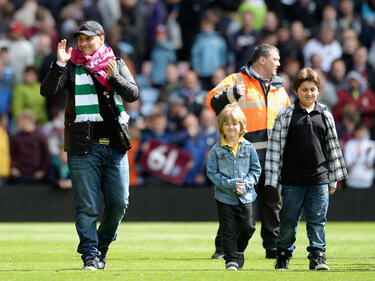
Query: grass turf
x=175, y=251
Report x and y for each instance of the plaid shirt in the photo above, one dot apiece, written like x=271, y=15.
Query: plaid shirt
x=276, y=145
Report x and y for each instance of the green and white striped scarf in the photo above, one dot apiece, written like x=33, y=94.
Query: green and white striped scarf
x=86, y=99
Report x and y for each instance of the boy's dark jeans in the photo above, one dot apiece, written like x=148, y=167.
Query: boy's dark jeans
x=237, y=224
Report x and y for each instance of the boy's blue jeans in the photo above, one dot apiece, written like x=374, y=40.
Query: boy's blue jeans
x=315, y=200
x=105, y=169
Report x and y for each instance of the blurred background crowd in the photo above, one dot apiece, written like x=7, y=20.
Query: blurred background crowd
x=177, y=51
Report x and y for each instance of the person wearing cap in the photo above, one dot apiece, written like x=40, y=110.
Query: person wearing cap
x=21, y=51
x=356, y=92
x=261, y=95
x=96, y=135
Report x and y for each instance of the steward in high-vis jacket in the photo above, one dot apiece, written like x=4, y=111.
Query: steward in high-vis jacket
x=261, y=96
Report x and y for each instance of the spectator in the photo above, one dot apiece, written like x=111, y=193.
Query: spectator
x=325, y=45
x=26, y=95
x=171, y=84
x=361, y=64
x=26, y=14
x=6, y=81
x=337, y=73
x=191, y=92
x=29, y=151
x=162, y=54
x=110, y=11
x=289, y=47
x=176, y=111
x=356, y=92
x=218, y=76
x=54, y=131
x=208, y=124
x=195, y=144
x=189, y=15
x=243, y=42
x=350, y=116
x=208, y=53
x=349, y=19
x=4, y=150
x=327, y=93
x=316, y=61
x=155, y=15
x=350, y=44
x=58, y=172
x=21, y=51
x=360, y=158
x=298, y=32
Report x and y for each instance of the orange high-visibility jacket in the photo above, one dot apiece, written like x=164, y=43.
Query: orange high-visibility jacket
x=259, y=108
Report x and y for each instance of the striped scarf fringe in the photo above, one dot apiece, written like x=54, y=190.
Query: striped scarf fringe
x=86, y=99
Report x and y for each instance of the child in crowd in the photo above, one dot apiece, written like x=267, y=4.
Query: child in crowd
x=233, y=166
x=360, y=158
x=4, y=150
x=30, y=156
x=304, y=156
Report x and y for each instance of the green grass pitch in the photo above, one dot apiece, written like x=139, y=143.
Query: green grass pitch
x=176, y=251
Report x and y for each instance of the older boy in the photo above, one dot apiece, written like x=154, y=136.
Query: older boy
x=304, y=156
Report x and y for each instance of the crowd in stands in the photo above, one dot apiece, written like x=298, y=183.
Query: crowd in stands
x=178, y=50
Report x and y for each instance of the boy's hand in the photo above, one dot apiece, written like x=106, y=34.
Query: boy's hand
x=331, y=190
x=240, y=187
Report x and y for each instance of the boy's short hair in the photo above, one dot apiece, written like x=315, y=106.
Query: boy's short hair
x=306, y=74
x=232, y=111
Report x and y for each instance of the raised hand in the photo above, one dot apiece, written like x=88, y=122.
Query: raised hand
x=62, y=55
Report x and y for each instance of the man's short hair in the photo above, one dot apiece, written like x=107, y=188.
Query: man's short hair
x=262, y=50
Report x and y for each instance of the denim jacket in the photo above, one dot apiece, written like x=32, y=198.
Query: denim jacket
x=223, y=169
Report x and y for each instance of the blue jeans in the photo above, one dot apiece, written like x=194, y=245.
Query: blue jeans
x=314, y=199
x=106, y=168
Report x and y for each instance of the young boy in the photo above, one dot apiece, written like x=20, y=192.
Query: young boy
x=304, y=156
x=233, y=166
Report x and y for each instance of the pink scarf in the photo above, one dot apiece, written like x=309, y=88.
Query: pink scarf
x=95, y=64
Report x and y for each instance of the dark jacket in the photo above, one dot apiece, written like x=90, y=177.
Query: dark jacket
x=78, y=137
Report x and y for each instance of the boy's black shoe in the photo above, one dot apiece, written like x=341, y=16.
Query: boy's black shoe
x=92, y=263
x=318, y=261
x=217, y=255
x=271, y=254
x=241, y=260
x=282, y=262
x=103, y=254
x=231, y=266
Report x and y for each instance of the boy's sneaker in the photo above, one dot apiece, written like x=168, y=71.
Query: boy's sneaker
x=318, y=261
x=103, y=254
x=217, y=256
x=241, y=260
x=282, y=262
x=92, y=263
x=231, y=266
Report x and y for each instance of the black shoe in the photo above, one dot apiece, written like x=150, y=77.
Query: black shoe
x=282, y=262
x=241, y=260
x=231, y=266
x=318, y=261
x=271, y=253
x=92, y=263
x=217, y=255
x=103, y=254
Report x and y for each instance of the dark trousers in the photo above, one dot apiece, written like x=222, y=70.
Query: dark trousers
x=269, y=201
x=269, y=204
x=237, y=227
